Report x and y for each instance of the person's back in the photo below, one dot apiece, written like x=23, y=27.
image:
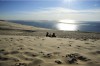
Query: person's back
x=47, y=34
x=53, y=35
x=50, y=35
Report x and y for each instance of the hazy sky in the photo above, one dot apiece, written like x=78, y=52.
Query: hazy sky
x=84, y=10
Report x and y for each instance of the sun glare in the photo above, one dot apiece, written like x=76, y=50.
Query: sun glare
x=68, y=27
x=67, y=24
x=68, y=2
x=67, y=21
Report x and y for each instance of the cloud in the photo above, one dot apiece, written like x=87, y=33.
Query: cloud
x=58, y=13
x=63, y=13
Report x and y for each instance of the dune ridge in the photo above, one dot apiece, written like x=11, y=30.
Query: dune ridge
x=22, y=45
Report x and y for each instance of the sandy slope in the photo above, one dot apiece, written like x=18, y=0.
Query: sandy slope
x=36, y=50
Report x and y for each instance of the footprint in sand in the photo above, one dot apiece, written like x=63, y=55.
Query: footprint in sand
x=73, y=58
x=4, y=52
x=58, y=61
x=20, y=64
x=14, y=52
x=95, y=52
x=3, y=58
x=32, y=54
x=48, y=55
x=36, y=62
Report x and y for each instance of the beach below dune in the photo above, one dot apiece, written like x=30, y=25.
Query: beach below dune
x=22, y=45
x=8, y=28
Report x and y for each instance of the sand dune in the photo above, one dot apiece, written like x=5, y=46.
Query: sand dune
x=27, y=48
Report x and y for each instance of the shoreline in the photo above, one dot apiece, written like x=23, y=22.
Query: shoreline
x=30, y=24
x=9, y=28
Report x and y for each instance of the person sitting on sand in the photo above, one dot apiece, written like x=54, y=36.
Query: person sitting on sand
x=53, y=35
x=50, y=35
x=47, y=34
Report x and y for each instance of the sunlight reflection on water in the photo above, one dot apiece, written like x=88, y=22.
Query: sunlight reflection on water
x=69, y=27
x=66, y=24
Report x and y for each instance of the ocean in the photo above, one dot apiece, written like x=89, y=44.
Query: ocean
x=87, y=26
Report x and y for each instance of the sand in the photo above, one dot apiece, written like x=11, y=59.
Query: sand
x=22, y=45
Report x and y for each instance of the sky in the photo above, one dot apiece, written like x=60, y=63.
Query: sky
x=81, y=10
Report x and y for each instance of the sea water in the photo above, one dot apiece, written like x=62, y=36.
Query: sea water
x=90, y=26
